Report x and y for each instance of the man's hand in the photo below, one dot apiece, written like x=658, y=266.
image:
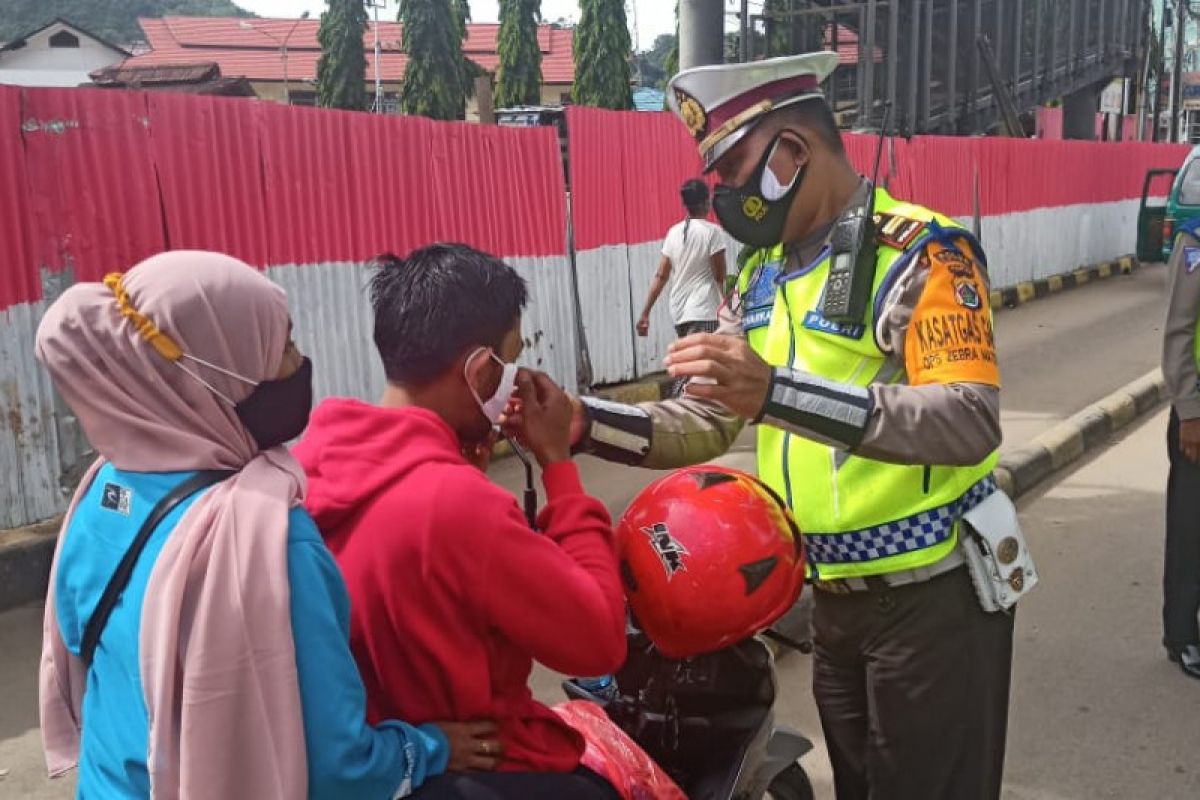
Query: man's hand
x=579, y=420
x=726, y=369
x=473, y=745
x=1189, y=439
x=542, y=417
x=643, y=325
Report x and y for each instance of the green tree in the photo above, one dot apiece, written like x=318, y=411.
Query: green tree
x=342, y=68
x=114, y=20
x=470, y=70
x=652, y=63
x=602, y=52
x=432, y=38
x=519, y=77
x=671, y=65
x=779, y=40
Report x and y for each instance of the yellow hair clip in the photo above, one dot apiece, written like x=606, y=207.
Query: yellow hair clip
x=161, y=342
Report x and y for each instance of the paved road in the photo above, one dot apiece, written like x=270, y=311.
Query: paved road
x=1097, y=711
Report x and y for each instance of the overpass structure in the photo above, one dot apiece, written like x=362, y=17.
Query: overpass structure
x=961, y=66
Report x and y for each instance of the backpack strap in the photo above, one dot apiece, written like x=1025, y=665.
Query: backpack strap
x=124, y=572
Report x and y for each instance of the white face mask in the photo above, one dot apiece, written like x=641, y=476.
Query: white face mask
x=493, y=407
x=772, y=189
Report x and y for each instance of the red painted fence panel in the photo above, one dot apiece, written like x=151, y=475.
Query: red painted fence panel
x=92, y=188
x=626, y=168
x=206, y=152
x=19, y=282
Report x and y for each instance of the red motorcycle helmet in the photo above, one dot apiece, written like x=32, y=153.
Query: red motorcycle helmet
x=709, y=556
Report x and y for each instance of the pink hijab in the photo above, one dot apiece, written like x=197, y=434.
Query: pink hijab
x=217, y=658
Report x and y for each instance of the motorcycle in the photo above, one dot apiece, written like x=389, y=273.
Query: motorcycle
x=709, y=720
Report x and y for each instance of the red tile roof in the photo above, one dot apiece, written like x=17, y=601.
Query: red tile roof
x=254, y=52
x=847, y=44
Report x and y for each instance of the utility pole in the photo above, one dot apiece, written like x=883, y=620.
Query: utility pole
x=283, y=50
x=701, y=33
x=377, y=106
x=1159, y=105
x=1177, y=68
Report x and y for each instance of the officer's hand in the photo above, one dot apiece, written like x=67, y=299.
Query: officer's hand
x=1189, y=439
x=724, y=369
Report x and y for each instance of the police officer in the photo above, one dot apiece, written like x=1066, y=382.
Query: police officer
x=1181, y=369
x=863, y=354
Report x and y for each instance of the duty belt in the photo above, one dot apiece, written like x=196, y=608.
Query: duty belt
x=891, y=580
x=922, y=530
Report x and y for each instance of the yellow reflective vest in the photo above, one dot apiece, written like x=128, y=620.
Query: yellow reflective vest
x=859, y=517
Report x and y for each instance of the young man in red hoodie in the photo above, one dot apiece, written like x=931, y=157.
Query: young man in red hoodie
x=453, y=595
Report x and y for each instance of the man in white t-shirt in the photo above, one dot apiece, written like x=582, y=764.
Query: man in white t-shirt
x=693, y=265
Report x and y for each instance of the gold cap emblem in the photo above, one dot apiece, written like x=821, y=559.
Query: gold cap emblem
x=692, y=113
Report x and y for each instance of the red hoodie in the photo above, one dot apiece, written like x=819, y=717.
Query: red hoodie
x=452, y=595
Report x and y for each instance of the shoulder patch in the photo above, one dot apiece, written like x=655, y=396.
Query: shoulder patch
x=1191, y=259
x=950, y=337
x=897, y=231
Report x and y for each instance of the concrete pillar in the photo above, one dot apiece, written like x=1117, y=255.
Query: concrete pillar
x=1079, y=114
x=701, y=33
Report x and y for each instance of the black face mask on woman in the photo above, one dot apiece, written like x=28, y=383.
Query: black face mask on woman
x=277, y=411
x=755, y=212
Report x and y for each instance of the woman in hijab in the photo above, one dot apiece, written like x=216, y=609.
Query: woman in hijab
x=196, y=635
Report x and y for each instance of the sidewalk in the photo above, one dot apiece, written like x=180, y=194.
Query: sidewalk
x=1098, y=711
x=1086, y=638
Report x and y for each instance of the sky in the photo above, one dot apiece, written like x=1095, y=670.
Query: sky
x=654, y=17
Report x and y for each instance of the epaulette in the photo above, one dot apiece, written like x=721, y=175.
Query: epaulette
x=897, y=231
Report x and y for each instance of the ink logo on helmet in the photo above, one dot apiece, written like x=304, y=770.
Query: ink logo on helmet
x=692, y=113
x=670, y=552
x=754, y=207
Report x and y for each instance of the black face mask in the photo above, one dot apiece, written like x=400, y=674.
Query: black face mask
x=747, y=214
x=277, y=411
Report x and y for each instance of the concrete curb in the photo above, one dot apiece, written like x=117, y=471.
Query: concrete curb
x=1028, y=291
x=25, y=556
x=1089, y=429
x=656, y=387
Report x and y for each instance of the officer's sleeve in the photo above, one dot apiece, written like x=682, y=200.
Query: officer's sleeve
x=937, y=325
x=669, y=433
x=1179, y=333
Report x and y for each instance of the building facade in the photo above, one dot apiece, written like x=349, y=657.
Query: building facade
x=58, y=54
x=279, y=56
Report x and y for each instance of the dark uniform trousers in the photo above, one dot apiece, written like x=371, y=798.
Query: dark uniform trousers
x=1181, y=573
x=912, y=686
x=687, y=329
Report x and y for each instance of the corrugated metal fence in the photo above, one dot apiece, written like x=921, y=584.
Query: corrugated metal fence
x=94, y=181
x=1045, y=207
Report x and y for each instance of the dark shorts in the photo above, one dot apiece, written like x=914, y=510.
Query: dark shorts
x=688, y=328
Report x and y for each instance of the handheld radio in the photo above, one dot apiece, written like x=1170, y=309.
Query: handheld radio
x=852, y=253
